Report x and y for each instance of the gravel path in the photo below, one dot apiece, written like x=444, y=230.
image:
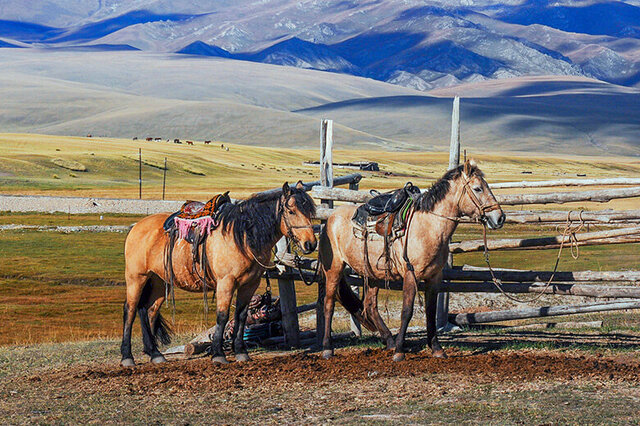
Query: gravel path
x=84, y=205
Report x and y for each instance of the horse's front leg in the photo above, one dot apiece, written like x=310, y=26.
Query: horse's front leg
x=224, y=294
x=431, y=299
x=409, y=288
x=245, y=293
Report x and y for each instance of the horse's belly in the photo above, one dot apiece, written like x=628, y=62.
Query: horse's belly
x=188, y=276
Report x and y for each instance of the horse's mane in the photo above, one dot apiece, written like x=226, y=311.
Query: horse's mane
x=439, y=190
x=255, y=220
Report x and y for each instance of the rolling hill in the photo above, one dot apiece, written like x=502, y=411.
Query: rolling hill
x=127, y=94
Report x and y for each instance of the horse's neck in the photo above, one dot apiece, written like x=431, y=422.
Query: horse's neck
x=436, y=227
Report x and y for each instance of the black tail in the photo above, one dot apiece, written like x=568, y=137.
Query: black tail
x=353, y=304
x=161, y=332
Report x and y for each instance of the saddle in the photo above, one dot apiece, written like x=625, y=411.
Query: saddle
x=385, y=214
x=195, y=217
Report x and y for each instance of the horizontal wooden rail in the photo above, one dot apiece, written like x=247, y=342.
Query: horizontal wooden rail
x=467, y=273
x=566, y=182
x=597, y=195
x=546, y=311
x=556, y=288
x=341, y=180
x=514, y=243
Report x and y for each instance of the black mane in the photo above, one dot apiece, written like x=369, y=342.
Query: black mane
x=440, y=189
x=255, y=221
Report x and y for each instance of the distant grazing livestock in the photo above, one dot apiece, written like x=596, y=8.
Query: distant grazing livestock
x=135, y=138
x=89, y=135
x=189, y=142
x=176, y=141
x=222, y=145
x=149, y=139
x=157, y=139
x=227, y=148
x=207, y=142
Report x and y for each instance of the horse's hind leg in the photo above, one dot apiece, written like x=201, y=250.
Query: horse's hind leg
x=245, y=293
x=135, y=284
x=372, y=312
x=431, y=298
x=151, y=301
x=409, y=288
x=224, y=294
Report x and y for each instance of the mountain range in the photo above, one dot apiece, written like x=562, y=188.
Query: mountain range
x=417, y=44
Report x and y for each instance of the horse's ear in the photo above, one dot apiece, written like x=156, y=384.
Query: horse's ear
x=300, y=185
x=286, y=190
x=473, y=163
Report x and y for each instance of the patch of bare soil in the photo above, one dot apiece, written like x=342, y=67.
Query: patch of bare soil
x=352, y=365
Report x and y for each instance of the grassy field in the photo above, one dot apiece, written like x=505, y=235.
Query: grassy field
x=27, y=167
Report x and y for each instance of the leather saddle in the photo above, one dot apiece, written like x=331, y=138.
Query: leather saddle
x=192, y=210
x=385, y=214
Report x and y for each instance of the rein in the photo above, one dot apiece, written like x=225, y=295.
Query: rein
x=569, y=231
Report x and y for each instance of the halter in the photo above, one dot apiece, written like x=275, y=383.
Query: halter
x=483, y=209
x=287, y=224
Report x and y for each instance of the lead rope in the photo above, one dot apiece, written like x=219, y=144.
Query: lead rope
x=569, y=231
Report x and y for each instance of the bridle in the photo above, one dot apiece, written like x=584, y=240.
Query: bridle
x=482, y=208
x=282, y=205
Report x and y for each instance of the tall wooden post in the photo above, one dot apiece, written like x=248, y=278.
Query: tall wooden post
x=287, y=293
x=140, y=173
x=164, y=177
x=326, y=179
x=442, y=311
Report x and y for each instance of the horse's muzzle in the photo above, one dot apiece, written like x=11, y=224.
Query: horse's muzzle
x=309, y=247
x=495, y=219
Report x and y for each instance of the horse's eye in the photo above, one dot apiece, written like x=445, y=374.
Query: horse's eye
x=478, y=189
x=290, y=211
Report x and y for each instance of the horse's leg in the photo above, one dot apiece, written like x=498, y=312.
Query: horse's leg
x=431, y=298
x=156, y=324
x=408, y=297
x=245, y=293
x=135, y=284
x=224, y=294
x=332, y=280
x=372, y=312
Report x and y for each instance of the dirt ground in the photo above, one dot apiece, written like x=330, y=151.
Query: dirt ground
x=486, y=379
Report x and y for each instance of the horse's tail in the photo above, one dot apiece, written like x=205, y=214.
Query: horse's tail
x=353, y=304
x=162, y=331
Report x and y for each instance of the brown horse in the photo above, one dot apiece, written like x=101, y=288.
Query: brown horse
x=419, y=255
x=237, y=251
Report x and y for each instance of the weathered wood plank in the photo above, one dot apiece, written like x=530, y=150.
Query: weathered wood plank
x=566, y=182
x=546, y=311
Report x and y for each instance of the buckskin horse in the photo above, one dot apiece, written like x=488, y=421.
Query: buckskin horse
x=418, y=255
x=237, y=250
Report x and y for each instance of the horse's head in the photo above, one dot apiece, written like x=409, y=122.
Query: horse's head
x=296, y=210
x=476, y=198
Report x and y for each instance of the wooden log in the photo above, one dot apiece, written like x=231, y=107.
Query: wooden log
x=557, y=325
x=556, y=288
x=468, y=273
x=341, y=180
x=326, y=153
x=546, y=311
x=595, y=242
x=306, y=308
x=510, y=243
x=597, y=195
x=607, y=216
x=566, y=182
x=197, y=348
x=205, y=336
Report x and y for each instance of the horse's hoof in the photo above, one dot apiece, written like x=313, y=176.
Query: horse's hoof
x=158, y=359
x=439, y=354
x=327, y=353
x=221, y=359
x=242, y=358
x=128, y=362
x=398, y=356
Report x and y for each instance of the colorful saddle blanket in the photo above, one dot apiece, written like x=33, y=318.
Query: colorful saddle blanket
x=195, y=214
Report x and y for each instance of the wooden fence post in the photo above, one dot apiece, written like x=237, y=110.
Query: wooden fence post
x=326, y=179
x=288, y=304
x=442, y=310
